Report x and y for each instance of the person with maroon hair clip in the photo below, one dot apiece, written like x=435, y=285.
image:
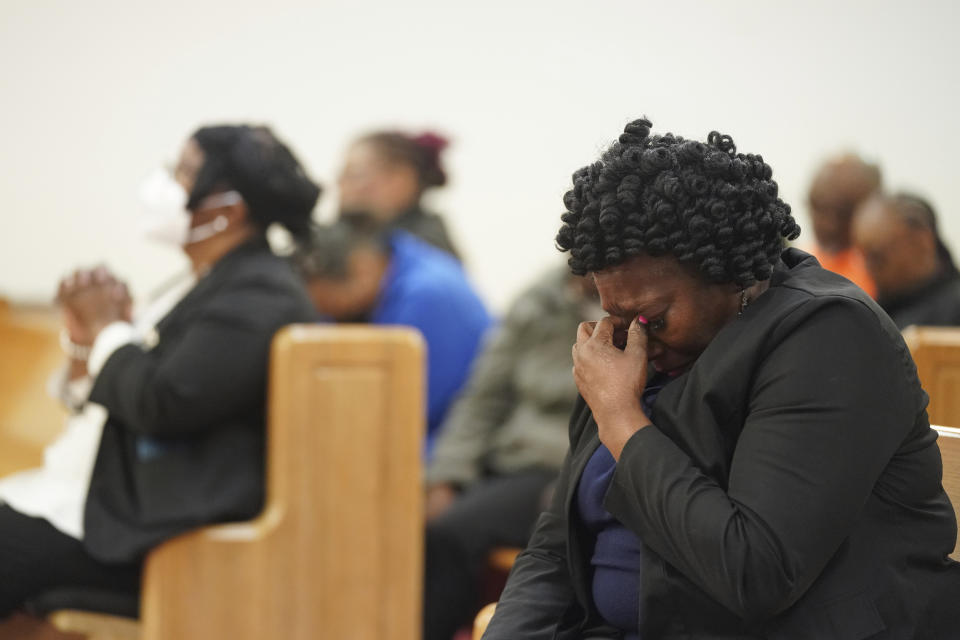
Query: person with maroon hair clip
x=384, y=177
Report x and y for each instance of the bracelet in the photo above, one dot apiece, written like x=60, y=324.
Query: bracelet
x=73, y=350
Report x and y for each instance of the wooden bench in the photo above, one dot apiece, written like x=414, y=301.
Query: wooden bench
x=949, y=443
x=338, y=550
x=29, y=354
x=936, y=352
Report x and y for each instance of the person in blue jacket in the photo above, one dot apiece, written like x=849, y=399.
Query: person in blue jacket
x=360, y=274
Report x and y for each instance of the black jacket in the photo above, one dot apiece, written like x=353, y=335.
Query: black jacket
x=183, y=444
x=789, y=490
x=935, y=304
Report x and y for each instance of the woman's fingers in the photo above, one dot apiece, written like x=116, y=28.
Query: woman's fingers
x=603, y=330
x=585, y=330
x=83, y=279
x=637, y=340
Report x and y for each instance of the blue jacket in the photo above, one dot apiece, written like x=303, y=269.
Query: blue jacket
x=427, y=289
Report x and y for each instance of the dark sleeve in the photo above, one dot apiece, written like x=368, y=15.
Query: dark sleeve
x=215, y=371
x=539, y=590
x=829, y=407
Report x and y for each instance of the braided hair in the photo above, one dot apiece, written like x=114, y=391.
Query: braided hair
x=703, y=203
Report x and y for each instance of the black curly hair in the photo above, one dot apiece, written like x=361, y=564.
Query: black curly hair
x=703, y=203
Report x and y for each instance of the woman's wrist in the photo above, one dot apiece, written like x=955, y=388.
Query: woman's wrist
x=76, y=369
x=76, y=350
x=615, y=430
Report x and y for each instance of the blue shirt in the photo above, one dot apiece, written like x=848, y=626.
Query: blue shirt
x=617, y=553
x=427, y=289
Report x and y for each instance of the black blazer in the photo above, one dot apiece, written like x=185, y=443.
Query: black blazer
x=183, y=444
x=790, y=489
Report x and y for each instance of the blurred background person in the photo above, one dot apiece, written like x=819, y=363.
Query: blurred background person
x=839, y=186
x=384, y=177
x=361, y=273
x=177, y=440
x=917, y=280
x=502, y=444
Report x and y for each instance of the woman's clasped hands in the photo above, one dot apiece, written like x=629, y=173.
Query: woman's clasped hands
x=92, y=299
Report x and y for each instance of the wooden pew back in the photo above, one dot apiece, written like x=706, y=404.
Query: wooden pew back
x=949, y=443
x=936, y=352
x=29, y=417
x=337, y=552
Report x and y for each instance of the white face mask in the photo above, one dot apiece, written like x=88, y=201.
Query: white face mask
x=166, y=218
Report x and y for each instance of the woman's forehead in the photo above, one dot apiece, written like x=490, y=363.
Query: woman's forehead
x=645, y=270
x=189, y=164
x=191, y=158
x=643, y=282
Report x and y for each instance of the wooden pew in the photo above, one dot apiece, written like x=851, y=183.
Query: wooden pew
x=949, y=443
x=337, y=552
x=502, y=558
x=936, y=352
x=482, y=621
x=29, y=354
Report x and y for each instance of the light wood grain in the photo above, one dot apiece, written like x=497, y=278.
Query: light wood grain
x=338, y=551
x=936, y=352
x=96, y=626
x=482, y=621
x=29, y=354
x=949, y=443
x=502, y=558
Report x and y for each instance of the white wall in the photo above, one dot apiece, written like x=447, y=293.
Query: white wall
x=94, y=94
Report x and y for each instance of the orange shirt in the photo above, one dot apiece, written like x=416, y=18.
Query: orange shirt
x=848, y=263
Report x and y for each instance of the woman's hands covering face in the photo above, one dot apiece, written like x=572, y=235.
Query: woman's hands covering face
x=91, y=299
x=612, y=380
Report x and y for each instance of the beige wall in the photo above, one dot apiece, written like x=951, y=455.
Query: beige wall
x=94, y=94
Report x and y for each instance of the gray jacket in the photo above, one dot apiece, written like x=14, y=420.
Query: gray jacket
x=514, y=411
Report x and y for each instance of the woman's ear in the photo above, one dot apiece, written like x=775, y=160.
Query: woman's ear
x=236, y=213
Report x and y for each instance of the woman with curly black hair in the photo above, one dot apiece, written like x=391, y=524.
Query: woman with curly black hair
x=772, y=472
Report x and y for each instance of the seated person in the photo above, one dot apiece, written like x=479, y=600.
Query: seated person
x=383, y=181
x=356, y=273
x=170, y=430
x=750, y=456
x=917, y=281
x=501, y=445
x=838, y=188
